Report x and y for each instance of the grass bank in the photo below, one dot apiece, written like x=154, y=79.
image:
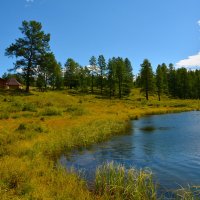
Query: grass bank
x=35, y=129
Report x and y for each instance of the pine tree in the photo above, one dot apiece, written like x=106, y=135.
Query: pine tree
x=47, y=67
x=128, y=77
x=102, y=69
x=172, y=86
x=165, y=77
x=182, y=83
x=29, y=49
x=111, y=76
x=197, y=83
x=71, y=78
x=159, y=80
x=93, y=70
x=147, y=77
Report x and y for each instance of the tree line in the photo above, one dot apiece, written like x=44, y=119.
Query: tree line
x=39, y=66
x=114, y=77
x=176, y=83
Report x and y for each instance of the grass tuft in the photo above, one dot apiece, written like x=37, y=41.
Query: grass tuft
x=51, y=112
x=22, y=127
x=117, y=182
x=29, y=107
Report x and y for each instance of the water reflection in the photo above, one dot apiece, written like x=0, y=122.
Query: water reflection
x=171, y=149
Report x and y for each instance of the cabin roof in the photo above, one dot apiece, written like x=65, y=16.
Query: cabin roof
x=13, y=82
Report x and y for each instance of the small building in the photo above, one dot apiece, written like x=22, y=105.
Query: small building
x=3, y=83
x=12, y=83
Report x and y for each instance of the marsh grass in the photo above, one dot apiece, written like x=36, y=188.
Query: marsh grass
x=35, y=129
x=187, y=193
x=116, y=181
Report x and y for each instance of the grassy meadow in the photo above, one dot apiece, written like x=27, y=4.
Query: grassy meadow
x=36, y=128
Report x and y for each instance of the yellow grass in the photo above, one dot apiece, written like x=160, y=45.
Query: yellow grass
x=35, y=129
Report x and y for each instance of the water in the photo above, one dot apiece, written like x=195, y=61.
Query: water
x=168, y=144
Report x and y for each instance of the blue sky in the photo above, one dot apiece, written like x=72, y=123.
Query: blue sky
x=160, y=30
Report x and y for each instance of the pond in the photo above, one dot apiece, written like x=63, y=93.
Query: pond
x=167, y=144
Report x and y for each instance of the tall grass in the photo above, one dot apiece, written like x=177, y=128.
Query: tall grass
x=116, y=182
x=189, y=193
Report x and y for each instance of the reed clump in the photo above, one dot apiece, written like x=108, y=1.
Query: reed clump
x=115, y=181
x=188, y=193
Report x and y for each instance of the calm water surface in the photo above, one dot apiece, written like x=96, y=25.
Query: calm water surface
x=168, y=144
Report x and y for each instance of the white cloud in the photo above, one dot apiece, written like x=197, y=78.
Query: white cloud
x=29, y=3
x=19, y=70
x=198, y=22
x=190, y=62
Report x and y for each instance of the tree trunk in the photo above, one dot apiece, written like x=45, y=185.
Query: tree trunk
x=120, y=90
x=110, y=90
x=147, y=95
x=27, y=85
x=147, y=89
x=92, y=83
x=45, y=82
x=28, y=80
x=101, y=85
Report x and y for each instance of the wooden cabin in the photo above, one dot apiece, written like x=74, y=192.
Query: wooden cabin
x=12, y=83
